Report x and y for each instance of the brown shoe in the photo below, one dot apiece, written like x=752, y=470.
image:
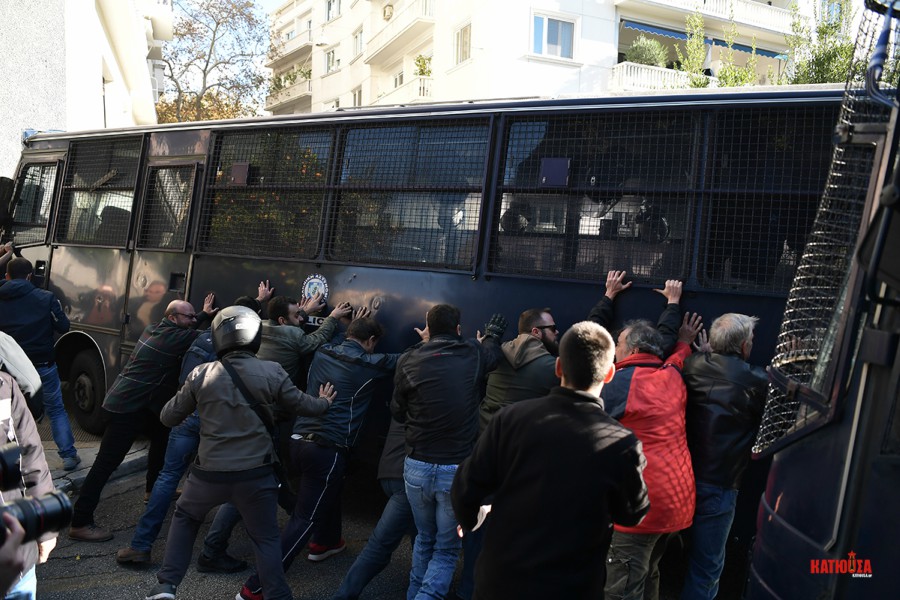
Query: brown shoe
x=89, y=533
x=130, y=555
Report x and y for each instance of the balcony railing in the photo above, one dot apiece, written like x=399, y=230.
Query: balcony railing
x=410, y=22
x=289, y=94
x=746, y=12
x=301, y=41
x=628, y=76
x=417, y=89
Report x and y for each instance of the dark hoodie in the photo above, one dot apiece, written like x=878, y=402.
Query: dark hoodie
x=31, y=316
x=527, y=370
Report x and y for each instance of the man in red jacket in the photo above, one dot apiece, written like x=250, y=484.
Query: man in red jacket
x=649, y=394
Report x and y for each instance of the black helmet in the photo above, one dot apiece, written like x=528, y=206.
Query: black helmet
x=236, y=328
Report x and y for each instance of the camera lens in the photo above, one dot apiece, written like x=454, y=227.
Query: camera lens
x=10, y=472
x=39, y=515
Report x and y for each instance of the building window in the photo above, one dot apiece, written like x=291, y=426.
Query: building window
x=463, y=43
x=357, y=42
x=332, y=9
x=553, y=37
x=357, y=97
x=336, y=103
x=398, y=79
x=332, y=63
x=289, y=35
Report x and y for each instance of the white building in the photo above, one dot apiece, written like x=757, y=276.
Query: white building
x=78, y=64
x=364, y=52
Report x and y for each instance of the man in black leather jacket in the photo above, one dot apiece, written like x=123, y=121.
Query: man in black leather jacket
x=726, y=397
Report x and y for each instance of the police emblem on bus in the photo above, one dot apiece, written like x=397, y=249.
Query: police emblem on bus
x=315, y=284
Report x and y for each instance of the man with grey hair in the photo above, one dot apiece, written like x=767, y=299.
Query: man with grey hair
x=726, y=397
x=558, y=468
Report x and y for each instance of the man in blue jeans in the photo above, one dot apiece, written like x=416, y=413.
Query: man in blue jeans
x=31, y=316
x=725, y=401
x=396, y=519
x=437, y=389
x=184, y=440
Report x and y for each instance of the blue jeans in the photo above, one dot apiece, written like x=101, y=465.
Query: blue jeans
x=437, y=545
x=709, y=533
x=26, y=589
x=60, y=428
x=183, y=442
x=396, y=521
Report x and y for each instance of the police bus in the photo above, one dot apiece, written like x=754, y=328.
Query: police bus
x=493, y=207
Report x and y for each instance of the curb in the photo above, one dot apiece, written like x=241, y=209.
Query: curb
x=70, y=482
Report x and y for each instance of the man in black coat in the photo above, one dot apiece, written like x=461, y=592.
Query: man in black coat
x=561, y=471
x=726, y=397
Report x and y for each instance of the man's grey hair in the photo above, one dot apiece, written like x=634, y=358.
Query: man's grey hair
x=730, y=331
x=643, y=337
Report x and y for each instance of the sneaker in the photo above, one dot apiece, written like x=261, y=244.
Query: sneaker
x=131, y=556
x=89, y=533
x=220, y=564
x=246, y=594
x=318, y=552
x=161, y=591
x=70, y=462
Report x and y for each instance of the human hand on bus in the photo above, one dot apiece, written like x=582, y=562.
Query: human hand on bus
x=702, y=343
x=424, y=333
x=361, y=313
x=208, y=303
x=672, y=291
x=614, y=284
x=5, y=248
x=265, y=292
x=342, y=310
x=327, y=391
x=313, y=304
x=690, y=327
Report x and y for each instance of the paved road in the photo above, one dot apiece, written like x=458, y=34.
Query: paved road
x=83, y=571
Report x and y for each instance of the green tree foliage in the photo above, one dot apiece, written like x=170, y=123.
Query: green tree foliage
x=694, y=57
x=730, y=74
x=647, y=51
x=212, y=64
x=822, y=53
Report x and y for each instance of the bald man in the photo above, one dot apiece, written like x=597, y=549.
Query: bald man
x=132, y=406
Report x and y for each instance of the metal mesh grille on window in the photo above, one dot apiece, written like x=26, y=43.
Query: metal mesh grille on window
x=411, y=194
x=808, y=332
x=266, y=193
x=167, y=207
x=98, y=192
x=767, y=169
x=33, y=200
x=583, y=194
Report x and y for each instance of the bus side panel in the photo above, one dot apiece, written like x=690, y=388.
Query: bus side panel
x=91, y=283
x=157, y=278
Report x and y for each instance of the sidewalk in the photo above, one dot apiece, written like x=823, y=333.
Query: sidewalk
x=87, y=445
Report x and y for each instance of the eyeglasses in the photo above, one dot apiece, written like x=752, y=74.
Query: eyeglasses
x=189, y=316
x=550, y=327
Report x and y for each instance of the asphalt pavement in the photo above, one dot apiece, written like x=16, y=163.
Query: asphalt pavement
x=88, y=571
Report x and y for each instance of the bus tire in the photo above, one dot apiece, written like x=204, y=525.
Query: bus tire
x=87, y=387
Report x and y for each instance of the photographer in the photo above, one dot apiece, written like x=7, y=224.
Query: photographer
x=17, y=425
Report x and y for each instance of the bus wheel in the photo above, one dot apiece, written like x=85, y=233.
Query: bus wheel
x=87, y=387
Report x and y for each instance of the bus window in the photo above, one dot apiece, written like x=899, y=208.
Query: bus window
x=32, y=211
x=583, y=194
x=98, y=193
x=166, y=210
x=767, y=170
x=381, y=220
x=266, y=193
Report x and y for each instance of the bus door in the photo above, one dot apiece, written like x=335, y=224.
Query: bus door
x=161, y=261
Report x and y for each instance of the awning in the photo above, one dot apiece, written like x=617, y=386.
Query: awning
x=679, y=35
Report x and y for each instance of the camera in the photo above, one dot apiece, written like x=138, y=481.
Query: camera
x=37, y=516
